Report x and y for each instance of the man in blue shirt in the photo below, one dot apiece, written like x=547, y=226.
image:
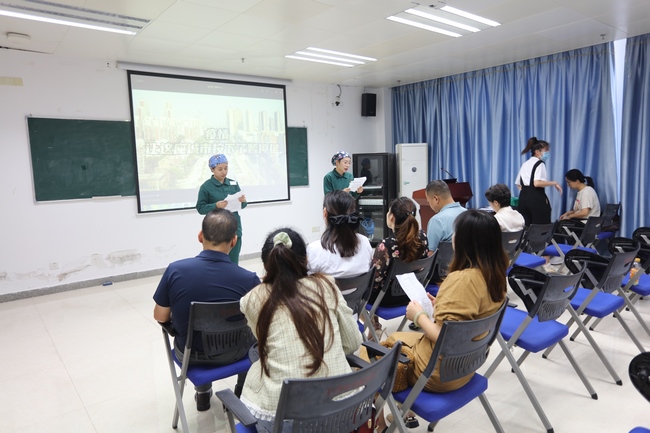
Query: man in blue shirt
x=441, y=225
x=208, y=277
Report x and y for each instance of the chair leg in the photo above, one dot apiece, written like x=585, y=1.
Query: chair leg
x=595, y=346
x=576, y=367
x=179, y=410
x=402, y=323
x=398, y=420
x=490, y=413
x=577, y=331
x=629, y=332
x=524, y=384
x=523, y=357
x=630, y=305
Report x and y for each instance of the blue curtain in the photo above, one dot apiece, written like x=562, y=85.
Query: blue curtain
x=477, y=123
x=635, y=136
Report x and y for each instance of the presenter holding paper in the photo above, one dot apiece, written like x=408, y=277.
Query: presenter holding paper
x=213, y=193
x=339, y=179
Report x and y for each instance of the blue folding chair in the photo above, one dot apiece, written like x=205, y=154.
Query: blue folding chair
x=462, y=347
x=422, y=270
x=222, y=329
x=574, y=234
x=356, y=291
x=536, y=238
x=323, y=405
x=595, y=299
x=545, y=297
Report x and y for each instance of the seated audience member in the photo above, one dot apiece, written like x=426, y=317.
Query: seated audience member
x=302, y=323
x=341, y=252
x=208, y=277
x=441, y=225
x=499, y=198
x=586, y=204
x=475, y=288
x=407, y=243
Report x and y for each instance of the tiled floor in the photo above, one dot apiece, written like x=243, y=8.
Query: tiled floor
x=92, y=360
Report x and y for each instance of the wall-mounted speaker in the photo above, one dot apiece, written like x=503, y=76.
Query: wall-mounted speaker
x=368, y=104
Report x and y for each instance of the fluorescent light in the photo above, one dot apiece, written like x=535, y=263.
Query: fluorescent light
x=347, y=65
x=370, y=59
x=64, y=22
x=323, y=56
x=423, y=26
x=470, y=16
x=442, y=20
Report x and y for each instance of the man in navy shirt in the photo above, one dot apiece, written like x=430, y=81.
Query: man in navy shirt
x=208, y=277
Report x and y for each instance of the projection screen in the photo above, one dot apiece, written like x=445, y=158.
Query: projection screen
x=179, y=122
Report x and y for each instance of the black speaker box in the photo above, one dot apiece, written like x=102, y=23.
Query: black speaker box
x=368, y=104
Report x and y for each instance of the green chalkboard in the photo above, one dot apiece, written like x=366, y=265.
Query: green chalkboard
x=297, y=151
x=74, y=158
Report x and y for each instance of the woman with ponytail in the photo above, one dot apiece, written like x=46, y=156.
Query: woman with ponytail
x=407, y=243
x=586, y=204
x=531, y=180
x=341, y=252
x=302, y=323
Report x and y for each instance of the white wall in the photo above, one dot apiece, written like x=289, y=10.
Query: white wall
x=52, y=243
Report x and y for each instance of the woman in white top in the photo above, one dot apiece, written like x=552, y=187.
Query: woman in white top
x=340, y=252
x=531, y=180
x=499, y=198
x=587, y=203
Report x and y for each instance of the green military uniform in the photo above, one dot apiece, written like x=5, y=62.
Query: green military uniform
x=213, y=191
x=333, y=181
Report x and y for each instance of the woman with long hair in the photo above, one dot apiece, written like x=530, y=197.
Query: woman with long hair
x=341, y=252
x=303, y=326
x=475, y=288
x=407, y=243
x=531, y=180
x=586, y=204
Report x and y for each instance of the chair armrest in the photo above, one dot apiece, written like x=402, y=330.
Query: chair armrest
x=234, y=405
x=356, y=361
x=168, y=327
x=375, y=350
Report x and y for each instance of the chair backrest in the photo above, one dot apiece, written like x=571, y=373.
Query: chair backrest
x=642, y=236
x=464, y=345
x=537, y=237
x=444, y=256
x=511, y=243
x=603, y=273
x=592, y=228
x=421, y=268
x=612, y=218
x=544, y=295
x=356, y=290
x=221, y=326
x=335, y=404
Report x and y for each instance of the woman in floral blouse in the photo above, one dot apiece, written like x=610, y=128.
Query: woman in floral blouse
x=407, y=242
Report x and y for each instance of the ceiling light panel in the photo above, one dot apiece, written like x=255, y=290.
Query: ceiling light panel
x=321, y=55
x=446, y=20
x=46, y=11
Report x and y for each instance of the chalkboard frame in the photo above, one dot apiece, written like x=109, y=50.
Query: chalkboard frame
x=298, y=156
x=81, y=158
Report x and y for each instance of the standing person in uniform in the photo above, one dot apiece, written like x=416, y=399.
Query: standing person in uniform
x=339, y=179
x=531, y=180
x=213, y=193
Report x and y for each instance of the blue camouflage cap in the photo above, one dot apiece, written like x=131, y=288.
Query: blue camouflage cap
x=217, y=159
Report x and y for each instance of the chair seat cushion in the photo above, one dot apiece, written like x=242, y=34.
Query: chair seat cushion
x=200, y=374
x=602, y=305
x=530, y=260
x=552, y=251
x=435, y=406
x=642, y=287
x=640, y=430
x=537, y=336
x=388, y=313
x=605, y=235
x=241, y=428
